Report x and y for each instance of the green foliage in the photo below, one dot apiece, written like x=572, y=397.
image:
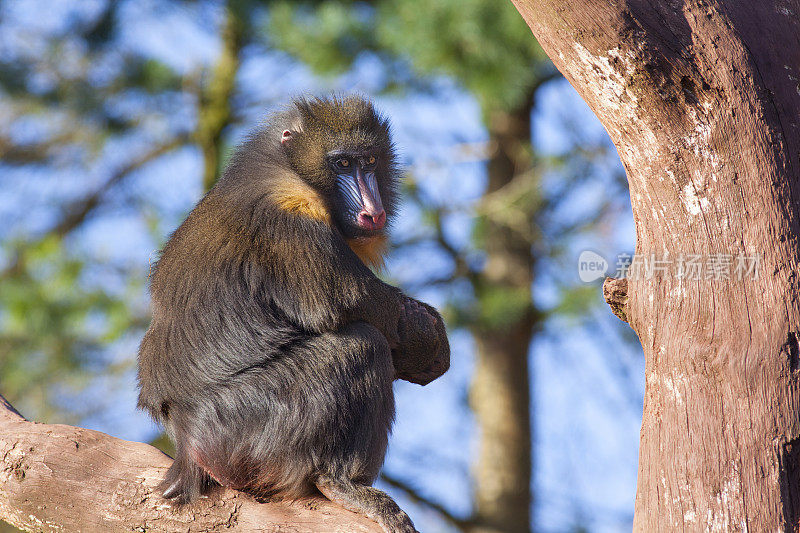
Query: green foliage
x=576, y=300
x=83, y=93
x=52, y=327
x=483, y=44
x=499, y=307
x=151, y=75
x=326, y=38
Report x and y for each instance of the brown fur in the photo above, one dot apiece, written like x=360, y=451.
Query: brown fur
x=300, y=198
x=370, y=250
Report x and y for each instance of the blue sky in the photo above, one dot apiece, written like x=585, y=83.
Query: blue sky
x=586, y=417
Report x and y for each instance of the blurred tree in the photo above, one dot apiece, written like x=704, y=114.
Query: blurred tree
x=86, y=95
x=488, y=49
x=87, y=98
x=61, y=93
x=214, y=103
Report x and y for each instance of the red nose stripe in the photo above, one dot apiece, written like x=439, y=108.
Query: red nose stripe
x=372, y=221
x=371, y=200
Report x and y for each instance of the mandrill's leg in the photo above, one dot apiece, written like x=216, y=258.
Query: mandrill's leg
x=185, y=481
x=367, y=501
x=324, y=404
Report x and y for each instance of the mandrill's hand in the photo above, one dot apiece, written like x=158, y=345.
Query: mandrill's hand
x=424, y=352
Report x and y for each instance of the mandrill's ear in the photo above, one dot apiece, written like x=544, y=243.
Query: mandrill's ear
x=286, y=137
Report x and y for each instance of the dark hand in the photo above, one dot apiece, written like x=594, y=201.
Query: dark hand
x=424, y=351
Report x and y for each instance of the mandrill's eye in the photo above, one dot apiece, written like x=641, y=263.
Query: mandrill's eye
x=371, y=160
x=343, y=162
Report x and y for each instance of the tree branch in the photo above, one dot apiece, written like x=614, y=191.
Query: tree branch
x=615, y=293
x=57, y=477
x=416, y=497
x=77, y=212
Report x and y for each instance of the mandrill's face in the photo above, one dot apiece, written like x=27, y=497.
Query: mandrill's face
x=343, y=150
x=359, y=209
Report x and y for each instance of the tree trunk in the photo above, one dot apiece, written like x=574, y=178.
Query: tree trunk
x=214, y=107
x=500, y=395
x=701, y=99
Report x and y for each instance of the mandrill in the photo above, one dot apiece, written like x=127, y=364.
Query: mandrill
x=273, y=346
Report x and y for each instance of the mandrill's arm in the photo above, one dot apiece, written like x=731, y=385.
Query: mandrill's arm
x=321, y=284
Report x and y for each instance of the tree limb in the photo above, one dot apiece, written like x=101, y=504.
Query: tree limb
x=615, y=293
x=701, y=104
x=417, y=497
x=57, y=477
x=76, y=213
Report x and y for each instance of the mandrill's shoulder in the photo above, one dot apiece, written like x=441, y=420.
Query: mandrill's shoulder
x=263, y=196
x=259, y=181
x=292, y=195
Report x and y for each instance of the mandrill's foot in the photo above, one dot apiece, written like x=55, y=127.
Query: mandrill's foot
x=367, y=501
x=423, y=377
x=420, y=313
x=184, y=482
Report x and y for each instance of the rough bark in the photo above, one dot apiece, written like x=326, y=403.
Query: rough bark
x=56, y=477
x=701, y=99
x=500, y=394
x=615, y=293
